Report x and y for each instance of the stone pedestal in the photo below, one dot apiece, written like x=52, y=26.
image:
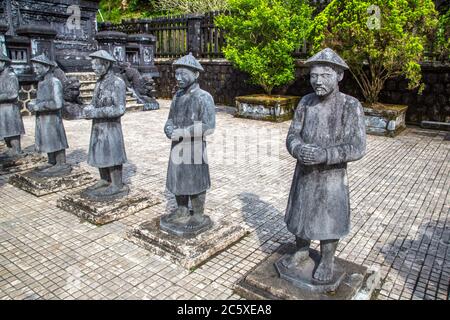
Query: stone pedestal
x=102, y=212
x=187, y=252
x=351, y=281
x=385, y=119
x=21, y=163
x=266, y=107
x=38, y=185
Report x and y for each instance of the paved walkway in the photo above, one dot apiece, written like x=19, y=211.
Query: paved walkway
x=400, y=200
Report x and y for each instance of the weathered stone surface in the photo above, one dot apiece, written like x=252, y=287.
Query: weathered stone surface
x=266, y=107
x=263, y=282
x=188, y=253
x=435, y=125
x=302, y=277
x=102, y=212
x=39, y=186
x=179, y=229
x=385, y=119
x=17, y=164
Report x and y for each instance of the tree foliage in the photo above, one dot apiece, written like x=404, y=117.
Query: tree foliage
x=377, y=45
x=442, y=42
x=117, y=10
x=261, y=36
x=191, y=6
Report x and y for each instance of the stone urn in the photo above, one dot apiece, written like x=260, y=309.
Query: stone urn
x=276, y=108
x=384, y=119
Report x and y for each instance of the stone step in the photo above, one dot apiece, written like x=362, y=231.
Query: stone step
x=90, y=94
x=82, y=76
x=89, y=99
x=435, y=125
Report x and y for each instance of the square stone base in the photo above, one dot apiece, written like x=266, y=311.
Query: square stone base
x=19, y=164
x=264, y=282
x=103, y=212
x=274, y=108
x=385, y=119
x=187, y=252
x=40, y=186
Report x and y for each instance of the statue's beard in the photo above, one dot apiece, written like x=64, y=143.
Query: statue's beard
x=323, y=92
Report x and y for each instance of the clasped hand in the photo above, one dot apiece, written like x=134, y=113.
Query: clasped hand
x=312, y=154
x=88, y=112
x=31, y=106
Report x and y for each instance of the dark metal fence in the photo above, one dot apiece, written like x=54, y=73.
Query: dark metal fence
x=179, y=35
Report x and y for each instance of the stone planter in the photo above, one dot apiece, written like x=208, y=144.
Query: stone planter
x=385, y=119
x=266, y=107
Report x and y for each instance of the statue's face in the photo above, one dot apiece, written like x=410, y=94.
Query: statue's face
x=325, y=80
x=2, y=65
x=40, y=70
x=100, y=67
x=185, y=77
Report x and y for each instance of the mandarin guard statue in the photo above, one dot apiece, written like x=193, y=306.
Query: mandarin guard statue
x=327, y=132
x=11, y=124
x=107, y=147
x=50, y=135
x=191, y=119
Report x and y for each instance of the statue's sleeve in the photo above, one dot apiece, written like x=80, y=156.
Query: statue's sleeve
x=57, y=100
x=118, y=107
x=12, y=90
x=355, y=148
x=207, y=115
x=168, y=127
x=293, y=139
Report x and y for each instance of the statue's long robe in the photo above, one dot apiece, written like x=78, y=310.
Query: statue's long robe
x=50, y=135
x=318, y=206
x=107, y=147
x=11, y=123
x=188, y=170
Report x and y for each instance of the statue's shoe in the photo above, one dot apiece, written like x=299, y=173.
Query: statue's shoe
x=180, y=215
x=54, y=170
x=99, y=184
x=107, y=193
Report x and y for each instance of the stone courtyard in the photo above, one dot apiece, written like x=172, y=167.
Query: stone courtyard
x=400, y=200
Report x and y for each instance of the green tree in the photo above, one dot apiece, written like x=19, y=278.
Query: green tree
x=379, y=39
x=261, y=36
x=117, y=10
x=442, y=42
x=191, y=6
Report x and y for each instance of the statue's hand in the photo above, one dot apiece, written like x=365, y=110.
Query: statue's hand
x=313, y=154
x=168, y=130
x=31, y=106
x=88, y=112
x=177, y=134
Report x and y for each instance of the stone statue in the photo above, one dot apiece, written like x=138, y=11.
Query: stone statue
x=107, y=147
x=191, y=119
x=11, y=124
x=142, y=86
x=73, y=106
x=50, y=135
x=327, y=131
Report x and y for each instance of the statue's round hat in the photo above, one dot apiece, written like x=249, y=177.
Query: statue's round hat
x=102, y=54
x=4, y=58
x=189, y=61
x=42, y=59
x=327, y=56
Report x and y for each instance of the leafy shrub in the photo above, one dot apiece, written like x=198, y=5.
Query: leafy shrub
x=377, y=47
x=261, y=36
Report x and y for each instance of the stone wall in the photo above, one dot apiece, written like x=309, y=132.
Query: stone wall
x=225, y=83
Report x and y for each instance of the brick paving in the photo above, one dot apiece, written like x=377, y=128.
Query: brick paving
x=400, y=200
